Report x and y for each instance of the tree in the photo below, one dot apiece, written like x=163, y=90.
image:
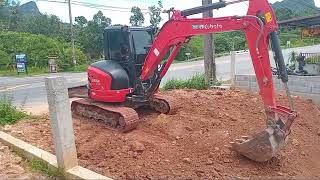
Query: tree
x=90, y=34
x=38, y=47
x=155, y=14
x=284, y=14
x=81, y=21
x=42, y=24
x=14, y=17
x=101, y=20
x=137, y=18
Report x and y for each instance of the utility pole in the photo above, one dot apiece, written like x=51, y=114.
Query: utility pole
x=209, y=51
x=72, y=35
x=168, y=12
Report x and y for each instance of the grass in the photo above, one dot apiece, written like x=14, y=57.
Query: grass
x=78, y=68
x=31, y=71
x=38, y=71
x=40, y=166
x=196, y=82
x=313, y=60
x=10, y=114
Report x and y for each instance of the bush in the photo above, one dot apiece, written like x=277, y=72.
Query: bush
x=9, y=114
x=37, y=48
x=313, y=60
x=5, y=59
x=223, y=43
x=196, y=82
x=79, y=68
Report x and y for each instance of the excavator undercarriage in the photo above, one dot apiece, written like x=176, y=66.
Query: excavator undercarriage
x=118, y=116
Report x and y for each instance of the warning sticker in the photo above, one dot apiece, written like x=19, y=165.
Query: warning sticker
x=268, y=17
x=156, y=52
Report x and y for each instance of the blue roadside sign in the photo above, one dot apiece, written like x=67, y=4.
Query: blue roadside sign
x=21, y=63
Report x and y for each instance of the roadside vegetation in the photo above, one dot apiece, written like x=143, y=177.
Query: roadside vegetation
x=37, y=48
x=313, y=60
x=10, y=114
x=39, y=35
x=195, y=82
x=40, y=166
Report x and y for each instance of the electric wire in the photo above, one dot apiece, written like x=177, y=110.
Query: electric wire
x=96, y=6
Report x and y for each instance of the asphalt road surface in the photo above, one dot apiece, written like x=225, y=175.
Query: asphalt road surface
x=30, y=94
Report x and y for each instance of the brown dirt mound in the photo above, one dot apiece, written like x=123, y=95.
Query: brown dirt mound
x=190, y=143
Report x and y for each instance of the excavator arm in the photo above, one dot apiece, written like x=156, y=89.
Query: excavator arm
x=260, y=27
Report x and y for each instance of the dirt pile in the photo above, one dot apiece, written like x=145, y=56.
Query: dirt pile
x=190, y=143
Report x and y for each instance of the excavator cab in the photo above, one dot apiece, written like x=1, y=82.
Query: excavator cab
x=128, y=46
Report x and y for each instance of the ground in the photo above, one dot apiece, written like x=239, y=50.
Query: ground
x=14, y=167
x=191, y=143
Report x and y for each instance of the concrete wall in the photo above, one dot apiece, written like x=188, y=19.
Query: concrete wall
x=307, y=87
x=313, y=69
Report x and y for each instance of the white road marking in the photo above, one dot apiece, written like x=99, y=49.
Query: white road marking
x=14, y=87
x=83, y=79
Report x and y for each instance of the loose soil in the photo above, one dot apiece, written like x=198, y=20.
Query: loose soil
x=191, y=143
x=14, y=167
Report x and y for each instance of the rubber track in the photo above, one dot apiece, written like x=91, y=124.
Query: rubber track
x=129, y=115
x=172, y=102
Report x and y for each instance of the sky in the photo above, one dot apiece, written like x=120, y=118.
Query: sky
x=61, y=9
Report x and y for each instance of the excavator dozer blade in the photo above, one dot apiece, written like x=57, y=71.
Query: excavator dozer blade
x=79, y=92
x=263, y=146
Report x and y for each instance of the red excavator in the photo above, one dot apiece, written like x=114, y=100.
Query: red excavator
x=137, y=60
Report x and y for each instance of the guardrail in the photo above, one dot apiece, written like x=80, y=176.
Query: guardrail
x=218, y=55
x=308, y=55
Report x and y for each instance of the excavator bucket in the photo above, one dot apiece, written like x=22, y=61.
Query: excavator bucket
x=263, y=146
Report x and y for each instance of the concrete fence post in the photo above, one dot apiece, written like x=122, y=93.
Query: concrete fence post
x=232, y=69
x=61, y=122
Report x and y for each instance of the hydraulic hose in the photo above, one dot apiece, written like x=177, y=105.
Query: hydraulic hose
x=260, y=32
x=281, y=66
x=278, y=57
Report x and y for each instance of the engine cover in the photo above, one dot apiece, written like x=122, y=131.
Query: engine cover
x=108, y=82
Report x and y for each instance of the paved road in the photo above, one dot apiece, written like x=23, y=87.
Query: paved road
x=30, y=93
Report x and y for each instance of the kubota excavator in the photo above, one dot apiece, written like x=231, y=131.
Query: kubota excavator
x=137, y=61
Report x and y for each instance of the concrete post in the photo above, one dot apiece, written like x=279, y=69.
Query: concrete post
x=61, y=122
x=232, y=69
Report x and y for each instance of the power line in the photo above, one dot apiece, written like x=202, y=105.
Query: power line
x=96, y=6
x=113, y=7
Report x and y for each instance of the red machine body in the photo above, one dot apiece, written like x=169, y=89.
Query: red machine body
x=100, y=87
x=257, y=25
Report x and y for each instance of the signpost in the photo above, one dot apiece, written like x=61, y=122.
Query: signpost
x=188, y=55
x=52, y=62
x=21, y=63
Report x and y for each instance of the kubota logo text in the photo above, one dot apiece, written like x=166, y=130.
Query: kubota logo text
x=207, y=26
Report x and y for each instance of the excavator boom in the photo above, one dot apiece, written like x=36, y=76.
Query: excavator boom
x=260, y=27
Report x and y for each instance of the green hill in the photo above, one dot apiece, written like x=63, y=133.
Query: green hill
x=29, y=8
x=298, y=7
